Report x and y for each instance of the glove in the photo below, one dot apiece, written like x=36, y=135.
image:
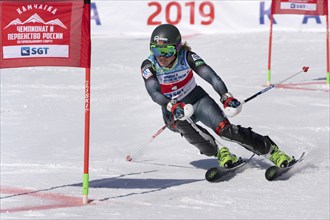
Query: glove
x=180, y=110
x=232, y=106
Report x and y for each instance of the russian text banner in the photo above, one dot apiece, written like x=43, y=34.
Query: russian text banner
x=44, y=33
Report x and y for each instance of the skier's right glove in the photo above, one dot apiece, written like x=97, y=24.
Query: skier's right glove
x=180, y=110
x=231, y=105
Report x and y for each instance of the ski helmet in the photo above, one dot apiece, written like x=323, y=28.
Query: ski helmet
x=168, y=34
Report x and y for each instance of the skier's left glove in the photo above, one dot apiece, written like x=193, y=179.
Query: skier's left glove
x=232, y=106
x=180, y=110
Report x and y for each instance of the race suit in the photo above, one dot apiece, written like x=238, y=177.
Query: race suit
x=178, y=82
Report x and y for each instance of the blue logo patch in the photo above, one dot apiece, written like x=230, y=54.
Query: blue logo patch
x=25, y=51
x=146, y=73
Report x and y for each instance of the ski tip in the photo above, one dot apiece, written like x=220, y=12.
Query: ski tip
x=302, y=156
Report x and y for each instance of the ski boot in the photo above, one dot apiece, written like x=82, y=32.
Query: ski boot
x=227, y=159
x=279, y=158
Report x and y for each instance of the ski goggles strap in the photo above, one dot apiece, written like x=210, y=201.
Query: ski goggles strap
x=163, y=50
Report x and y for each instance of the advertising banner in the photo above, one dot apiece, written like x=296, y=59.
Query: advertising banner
x=43, y=33
x=307, y=7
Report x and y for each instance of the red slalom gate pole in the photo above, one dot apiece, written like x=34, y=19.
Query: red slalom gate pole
x=86, y=139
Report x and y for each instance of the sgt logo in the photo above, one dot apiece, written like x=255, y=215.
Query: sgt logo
x=28, y=51
x=297, y=6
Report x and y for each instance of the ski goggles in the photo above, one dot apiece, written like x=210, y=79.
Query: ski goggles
x=163, y=50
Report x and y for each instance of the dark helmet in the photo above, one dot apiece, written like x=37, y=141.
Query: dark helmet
x=167, y=33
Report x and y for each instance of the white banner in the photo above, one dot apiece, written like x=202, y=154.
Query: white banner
x=139, y=18
x=293, y=6
x=32, y=51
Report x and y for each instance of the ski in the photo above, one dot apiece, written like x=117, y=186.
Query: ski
x=219, y=174
x=274, y=172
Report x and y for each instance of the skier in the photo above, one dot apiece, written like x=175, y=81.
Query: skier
x=169, y=79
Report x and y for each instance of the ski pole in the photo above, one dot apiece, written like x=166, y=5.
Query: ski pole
x=304, y=69
x=130, y=158
x=202, y=133
x=188, y=109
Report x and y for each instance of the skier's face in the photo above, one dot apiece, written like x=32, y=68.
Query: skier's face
x=165, y=62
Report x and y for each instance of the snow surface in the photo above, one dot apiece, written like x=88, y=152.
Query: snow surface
x=42, y=128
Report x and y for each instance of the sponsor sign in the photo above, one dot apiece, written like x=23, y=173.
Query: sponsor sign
x=39, y=33
x=31, y=51
x=35, y=27
x=307, y=7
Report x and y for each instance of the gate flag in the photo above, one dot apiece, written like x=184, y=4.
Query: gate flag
x=305, y=7
x=49, y=33
x=44, y=33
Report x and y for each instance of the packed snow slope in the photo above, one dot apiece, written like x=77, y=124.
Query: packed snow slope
x=42, y=133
